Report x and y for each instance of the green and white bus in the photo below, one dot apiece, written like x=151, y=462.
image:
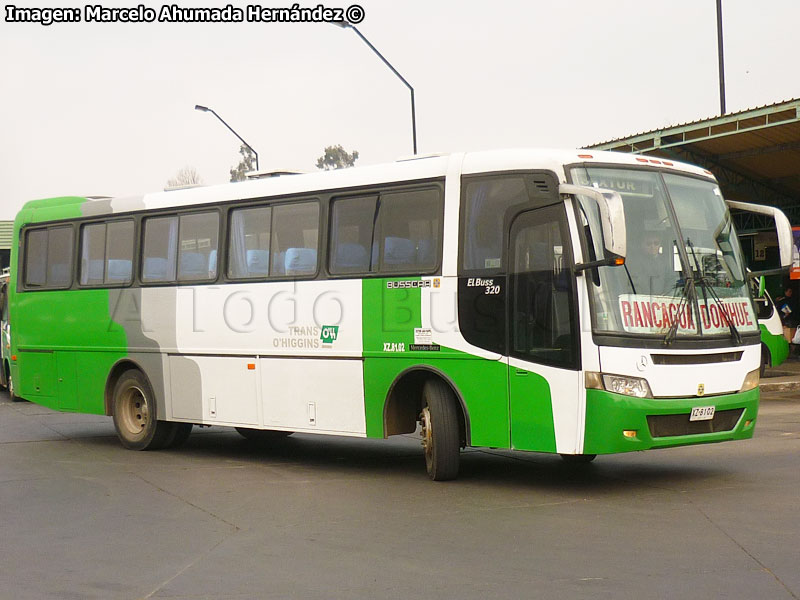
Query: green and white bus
x=570, y=302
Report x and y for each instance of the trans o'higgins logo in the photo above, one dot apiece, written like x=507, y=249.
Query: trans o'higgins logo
x=307, y=336
x=329, y=335
x=408, y=284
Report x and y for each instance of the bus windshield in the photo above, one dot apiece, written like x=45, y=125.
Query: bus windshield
x=684, y=274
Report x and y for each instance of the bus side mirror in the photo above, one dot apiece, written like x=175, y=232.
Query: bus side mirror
x=612, y=218
x=782, y=227
x=762, y=286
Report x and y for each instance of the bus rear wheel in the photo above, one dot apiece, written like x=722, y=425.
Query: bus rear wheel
x=135, y=414
x=181, y=433
x=440, y=431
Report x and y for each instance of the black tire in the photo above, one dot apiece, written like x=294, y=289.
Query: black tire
x=11, y=393
x=180, y=435
x=441, y=437
x=136, y=414
x=262, y=435
x=578, y=459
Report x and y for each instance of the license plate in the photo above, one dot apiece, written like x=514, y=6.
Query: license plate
x=702, y=413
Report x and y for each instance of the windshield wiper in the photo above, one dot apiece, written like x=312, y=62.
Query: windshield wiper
x=707, y=286
x=672, y=332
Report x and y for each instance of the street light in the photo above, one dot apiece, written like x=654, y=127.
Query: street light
x=347, y=25
x=211, y=110
x=721, y=59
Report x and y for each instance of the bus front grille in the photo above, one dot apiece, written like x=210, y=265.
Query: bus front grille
x=669, y=425
x=696, y=359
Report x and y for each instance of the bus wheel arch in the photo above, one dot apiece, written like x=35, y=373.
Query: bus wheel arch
x=116, y=372
x=404, y=402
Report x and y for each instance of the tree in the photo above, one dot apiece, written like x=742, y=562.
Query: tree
x=245, y=165
x=186, y=176
x=336, y=157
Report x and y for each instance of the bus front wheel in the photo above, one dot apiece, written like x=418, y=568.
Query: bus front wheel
x=135, y=414
x=440, y=431
x=10, y=387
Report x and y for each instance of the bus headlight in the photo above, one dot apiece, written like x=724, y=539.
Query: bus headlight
x=619, y=384
x=751, y=381
x=628, y=386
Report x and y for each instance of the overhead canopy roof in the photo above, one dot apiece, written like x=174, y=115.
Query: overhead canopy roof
x=755, y=154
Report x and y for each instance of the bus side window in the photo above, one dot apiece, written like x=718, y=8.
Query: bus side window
x=48, y=257
x=59, y=257
x=36, y=258
x=248, y=242
x=483, y=208
x=93, y=241
x=106, y=253
x=409, y=230
x=352, y=224
x=295, y=238
x=160, y=249
x=198, y=239
x=119, y=252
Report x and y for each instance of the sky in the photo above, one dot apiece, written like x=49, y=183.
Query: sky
x=108, y=108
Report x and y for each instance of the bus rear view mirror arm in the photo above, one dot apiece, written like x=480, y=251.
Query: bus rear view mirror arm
x=612, y=215
x=613, y=261
x=782, y=226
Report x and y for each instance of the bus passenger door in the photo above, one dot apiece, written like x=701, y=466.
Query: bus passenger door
x=543, y=353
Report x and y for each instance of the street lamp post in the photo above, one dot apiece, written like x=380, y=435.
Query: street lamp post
x=346, y=25
x=721, y=59
x=211, y=110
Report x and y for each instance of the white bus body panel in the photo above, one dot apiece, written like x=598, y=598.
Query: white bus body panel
x=257, y=355
x=313, y=395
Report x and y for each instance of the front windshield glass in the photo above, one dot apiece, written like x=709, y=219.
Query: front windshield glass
x=683, y=278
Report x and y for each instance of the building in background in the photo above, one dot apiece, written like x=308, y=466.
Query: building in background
x=6, y=234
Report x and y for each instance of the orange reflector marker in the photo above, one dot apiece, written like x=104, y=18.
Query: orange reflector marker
x=13, y=357
x=669, y=164
x=251, y=366
x=644, y=160
x=585, y=156
x=630, y=433
x=619, y=261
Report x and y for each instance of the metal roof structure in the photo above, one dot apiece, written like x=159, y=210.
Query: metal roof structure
x=755, y=154
x=6, y=234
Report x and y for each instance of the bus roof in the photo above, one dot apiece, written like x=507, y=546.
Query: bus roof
x=407, y=169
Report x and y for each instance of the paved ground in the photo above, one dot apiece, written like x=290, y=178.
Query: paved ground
x=783, y=378
x=80, y=517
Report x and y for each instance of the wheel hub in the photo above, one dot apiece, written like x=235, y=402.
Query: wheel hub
x=136, y=412
x=426, y=433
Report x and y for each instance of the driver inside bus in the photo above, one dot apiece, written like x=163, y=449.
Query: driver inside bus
x=652, y=267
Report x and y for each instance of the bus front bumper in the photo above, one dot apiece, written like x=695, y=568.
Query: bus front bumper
x=617, y=423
